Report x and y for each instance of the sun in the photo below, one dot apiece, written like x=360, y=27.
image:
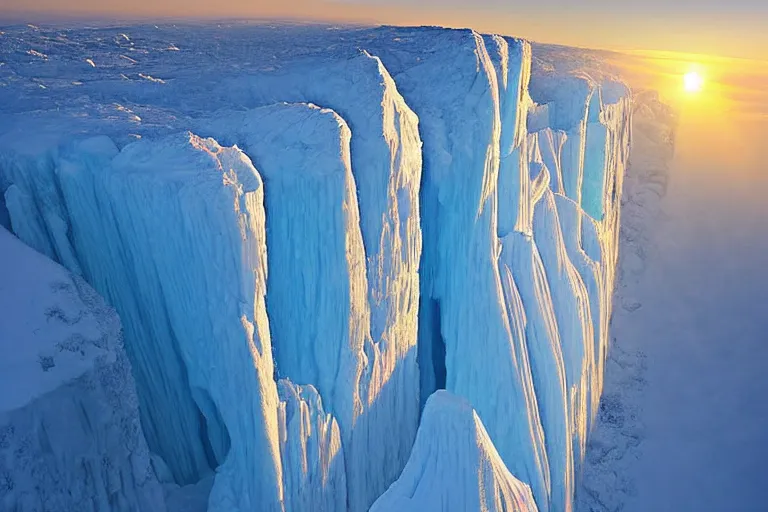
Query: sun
x=693, y=82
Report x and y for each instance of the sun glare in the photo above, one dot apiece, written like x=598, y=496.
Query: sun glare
x=693, y=82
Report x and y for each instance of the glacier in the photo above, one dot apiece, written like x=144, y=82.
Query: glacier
x=331, y=248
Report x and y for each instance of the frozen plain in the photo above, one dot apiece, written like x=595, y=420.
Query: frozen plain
x=379, y=214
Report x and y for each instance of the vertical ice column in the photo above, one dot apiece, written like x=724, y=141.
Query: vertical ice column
x=36, y=211
x=570, y=305
x=454, y=466
x=450, y=79
x=192, y=218
x=606, y=142
x=594, y=113
x=53, y=206
x=513, y=183
x=569, y=98
x=571, y=219
x=615, y=115
x=596, y=154
x=551, y=144
x=574, y=318
x=310, y=446
x=317, y=286
x=606, y=148
x=520, y=258
x=386, y=164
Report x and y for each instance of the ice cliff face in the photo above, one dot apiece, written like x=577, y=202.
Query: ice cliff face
x=70, y=437
x=308, y=238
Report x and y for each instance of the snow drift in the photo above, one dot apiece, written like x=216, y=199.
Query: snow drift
x=70, y=437
x=453, y=446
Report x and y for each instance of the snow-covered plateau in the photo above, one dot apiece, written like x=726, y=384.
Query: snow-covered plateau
x=354, y=268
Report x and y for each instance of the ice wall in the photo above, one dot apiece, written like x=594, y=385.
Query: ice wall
x=450, y=79
x=322, y=306
x=198, y=333
x=595, y=110
x=381, y=392
x=486, y=185
x=386, y=164
x=317, y=286
x=70, y=437
x=42, y=178
x=132, y=283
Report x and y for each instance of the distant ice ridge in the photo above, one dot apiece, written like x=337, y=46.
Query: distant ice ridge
x=454, y=466
x=517, y=209
x=70, y=437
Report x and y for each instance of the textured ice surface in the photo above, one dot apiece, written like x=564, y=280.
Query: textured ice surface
x=380, y=393
x=196, y=331
x=130, y=281
x=316, y=296
x=572, y=312
x=454, y=466
x=70, y=437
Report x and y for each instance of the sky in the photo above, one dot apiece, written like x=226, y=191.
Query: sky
x=735, y=28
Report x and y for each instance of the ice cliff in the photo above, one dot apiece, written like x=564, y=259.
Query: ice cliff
x=352, y=265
